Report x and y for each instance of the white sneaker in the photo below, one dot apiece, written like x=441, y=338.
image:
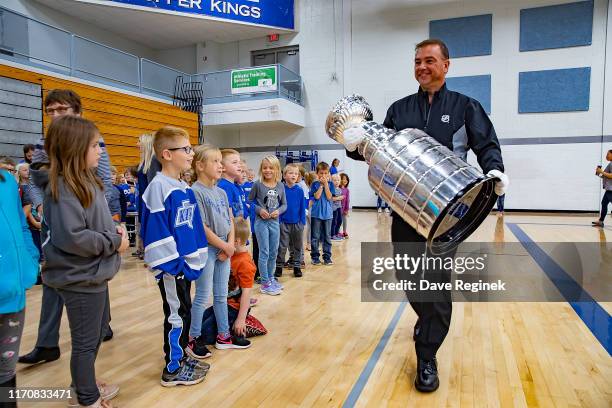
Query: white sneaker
x=387, y=210
x=107, y=392
x=379, y=210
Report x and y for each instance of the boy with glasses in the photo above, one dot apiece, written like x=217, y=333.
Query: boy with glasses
x=176, y=250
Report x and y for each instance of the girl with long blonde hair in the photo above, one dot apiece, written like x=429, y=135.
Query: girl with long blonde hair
x=268, y=195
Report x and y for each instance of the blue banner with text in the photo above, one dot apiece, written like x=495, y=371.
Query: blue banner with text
x=276, y=13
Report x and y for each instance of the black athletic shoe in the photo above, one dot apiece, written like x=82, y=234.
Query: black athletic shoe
x=232, y=342
x=297, y=272
x=197, y=349
x=109, y=334
x=427, y=375
x=279, y=272
x=40, y=355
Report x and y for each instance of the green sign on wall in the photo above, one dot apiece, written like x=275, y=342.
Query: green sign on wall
x=260, y=79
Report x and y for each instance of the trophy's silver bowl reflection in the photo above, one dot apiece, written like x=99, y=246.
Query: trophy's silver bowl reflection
x=437, y=193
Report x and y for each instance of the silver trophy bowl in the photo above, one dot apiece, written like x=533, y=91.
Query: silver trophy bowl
x=437, y=193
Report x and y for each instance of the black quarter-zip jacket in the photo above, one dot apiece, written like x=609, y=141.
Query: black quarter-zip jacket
x=453, y=119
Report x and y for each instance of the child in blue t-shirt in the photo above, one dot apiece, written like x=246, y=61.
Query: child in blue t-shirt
x=321, y=215
x=292, y=223
x=232, y=170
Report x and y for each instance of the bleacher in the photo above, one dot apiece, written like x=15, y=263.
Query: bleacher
x=121, y=117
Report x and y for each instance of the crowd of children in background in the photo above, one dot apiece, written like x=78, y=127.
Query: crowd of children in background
x=197, y=210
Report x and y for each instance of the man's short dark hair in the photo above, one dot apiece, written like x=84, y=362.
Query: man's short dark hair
x=434, y=41
x=65, y=97
x=27, y=148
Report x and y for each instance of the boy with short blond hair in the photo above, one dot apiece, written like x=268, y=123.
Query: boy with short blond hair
x=232, y=171
x=292, y=223
x=175, y=250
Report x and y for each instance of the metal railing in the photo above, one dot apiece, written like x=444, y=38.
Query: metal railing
x=218, y=89
x=31, y=42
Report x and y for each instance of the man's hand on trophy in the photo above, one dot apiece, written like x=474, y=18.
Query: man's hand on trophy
x=502, y=183
x=353, y=136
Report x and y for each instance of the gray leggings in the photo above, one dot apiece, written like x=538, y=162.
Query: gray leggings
x=88, y=315
x=11, y=327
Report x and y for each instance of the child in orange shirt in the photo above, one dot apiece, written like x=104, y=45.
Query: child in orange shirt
x=240, y=285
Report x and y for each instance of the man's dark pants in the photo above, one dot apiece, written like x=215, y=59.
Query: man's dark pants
x=434, y=316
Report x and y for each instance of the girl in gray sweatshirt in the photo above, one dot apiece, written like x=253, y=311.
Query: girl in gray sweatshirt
x=81, y=243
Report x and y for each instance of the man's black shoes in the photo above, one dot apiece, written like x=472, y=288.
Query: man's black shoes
x=40, y=354
x=427, y=375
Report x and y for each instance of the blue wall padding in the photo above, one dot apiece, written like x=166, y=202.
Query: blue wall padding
x=477, y=87
x=559, y=26
x=464, y=36
x=556, y=90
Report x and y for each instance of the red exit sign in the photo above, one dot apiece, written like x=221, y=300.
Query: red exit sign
x=273, y=37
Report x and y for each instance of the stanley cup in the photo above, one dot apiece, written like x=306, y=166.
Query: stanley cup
x=437, y=193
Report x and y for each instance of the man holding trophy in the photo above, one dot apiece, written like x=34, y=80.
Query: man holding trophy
x=456, y=122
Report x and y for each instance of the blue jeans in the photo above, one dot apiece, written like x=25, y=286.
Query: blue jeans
x=500, y=202
x=268, y=235
x=215, y=276
x=381, y=203
x=336, y=222
x=321, y=232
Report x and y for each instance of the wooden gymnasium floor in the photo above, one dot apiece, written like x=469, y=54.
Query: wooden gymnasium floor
x=326, y=348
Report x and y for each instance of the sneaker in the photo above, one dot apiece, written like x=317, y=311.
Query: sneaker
x=232, y=342
x=297, y=272
x=379, y=210
x=186, y=374
x=597, y=223
x=268, y=289
x=277, y=284
x=258, y=280
x=197, y=364
x=345, y=235
x=337, y=238
x=278, y=272
x=316, y=262
x=107, y=393
x=196, y=348
x=328, y=263
x=387, y=211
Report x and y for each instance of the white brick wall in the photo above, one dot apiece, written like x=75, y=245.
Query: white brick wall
x=374, y=58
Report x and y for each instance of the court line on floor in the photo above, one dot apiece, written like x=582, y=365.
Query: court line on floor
x=595, y=317
x=553, y=224
x=361, y=382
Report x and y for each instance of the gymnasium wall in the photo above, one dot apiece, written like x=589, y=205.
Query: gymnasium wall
x=120, y=117
x=183, y=59
x=367, y=47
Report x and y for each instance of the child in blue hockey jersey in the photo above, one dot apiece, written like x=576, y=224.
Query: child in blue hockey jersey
x=175, y=250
